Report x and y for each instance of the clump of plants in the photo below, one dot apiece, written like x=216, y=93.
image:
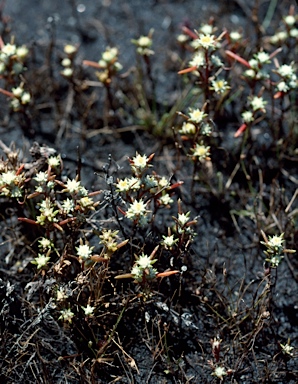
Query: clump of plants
x=92, y=273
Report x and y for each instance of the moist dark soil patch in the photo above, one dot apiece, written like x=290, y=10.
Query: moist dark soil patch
x=224, y=293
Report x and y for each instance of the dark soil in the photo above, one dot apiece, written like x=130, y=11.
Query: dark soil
x=222, y=291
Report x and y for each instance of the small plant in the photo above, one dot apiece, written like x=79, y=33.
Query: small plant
x=68, y=61
x=12, y=67
x=144, y=190
x=123, y=270
x=275, y=249
x=12, y=61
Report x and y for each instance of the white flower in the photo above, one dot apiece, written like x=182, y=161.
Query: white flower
x=183, y=218
x=110, y=54
x=182, y=38
x=140, y=161
x=188, y=128
x=219, y=372
x=279, y=37
x=263, y=57
x=25, y=98
x=250, y=73
x=276, y=241
x=196, y=115
x=136, y=209
x=61, y=294
x=247, y=116
x=219, y=86
x=18, y=91
x=123, y=185
x=47, y=212
x=287, y=349
x=144, y=261
x=235, y=36
x=86, y=202
x=144, y=42
x=22, y=52
x=70, y=49
x=66, y=315
x=45, y=243
x=103, y=64
x=134, y=183
x=275, y=260
x=73, y=185
x=258, y=103
x=9, y=49
x=206, y=129
x=15, y=104
x=294, y=32
x=45, y=204
x=143, y=268
x=67, y=72
x=206, y=29
x=253, y=63
x=198, y=60
x=41, y=177
x=163, y=182
x=68, y=205
x=216, y=61
x=137, y=272
x=290, y=20
x=282, y=87
x=54, y=161
x=205, y=41
x=166, y=199
x=201, y=151
x=66, y=62
x=88, y=310
x=84, y=251
x=285, y=70
x=41, y=261
x=169, y=241
x=293, y=82
x=8, y=178
x=107, y=235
